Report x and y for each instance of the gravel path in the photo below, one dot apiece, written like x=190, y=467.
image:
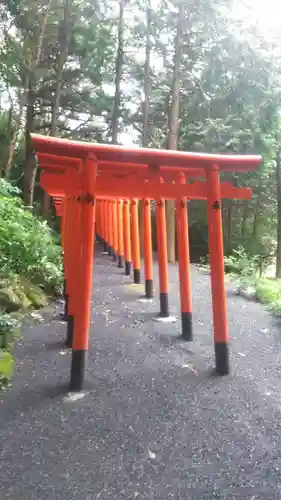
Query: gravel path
x=154, y=423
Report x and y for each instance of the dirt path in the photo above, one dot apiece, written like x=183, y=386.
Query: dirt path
x=154, y=422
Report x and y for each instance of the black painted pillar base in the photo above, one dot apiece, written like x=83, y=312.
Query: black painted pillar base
x=137, y=276
x=114, y=256
x=109, y=250
x=164, y=305
x=120, y=261
x=186, y=325
x=128, y=268
x=77, y=374
x=105, y=249
x=65, y=314
x=149, y=289
x=222, y=358
x=69, y=331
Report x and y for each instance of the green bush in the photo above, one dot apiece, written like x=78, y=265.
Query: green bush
x=268, y=291
x=244, y=267
x=30, y=265
x=27, y=244
x=6, y=368
x=9, y=331
x=238, y=263
x=242, y=263
x=205, y=263
x=275, y=308
x=259, y=252
x=262, y=246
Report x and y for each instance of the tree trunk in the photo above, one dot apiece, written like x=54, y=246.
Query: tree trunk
x=118, y=74
x=11, y=154
x=229, y=224
x=172, y=138
x=257, y=211
x=29, y=172
x=12, y=137
x=19, y=119
x=147, y=82
x=244, y=217
x=147, y=87
x=65, y=34
x=278, y=178
x=29, y=65
x=30, y=164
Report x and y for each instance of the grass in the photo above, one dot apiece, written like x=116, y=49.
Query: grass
x=242, y=271
x=268, y=290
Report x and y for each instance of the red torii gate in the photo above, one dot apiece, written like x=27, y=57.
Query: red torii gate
x=81, y=173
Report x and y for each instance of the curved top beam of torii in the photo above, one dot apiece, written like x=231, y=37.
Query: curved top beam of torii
x=154, y=157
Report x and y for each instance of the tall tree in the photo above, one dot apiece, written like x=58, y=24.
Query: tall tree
x=145, y=104
x=30, y=20
x=278, y=186
x=173, y=114
x=147, y=83
x=118, y=73
x=64, y=37
x=59, y=69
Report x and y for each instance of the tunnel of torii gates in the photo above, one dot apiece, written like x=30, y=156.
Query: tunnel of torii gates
x=96, y=189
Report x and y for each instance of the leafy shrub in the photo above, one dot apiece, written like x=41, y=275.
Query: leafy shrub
x=9, y=330
x=30, y=255
x=6, y=188
x=241, y=263
x=268, y=291
x=275, y=308
x=27, y=245
x=262, y=250
x=245, y=267
x=6, y=368
x=205, y=263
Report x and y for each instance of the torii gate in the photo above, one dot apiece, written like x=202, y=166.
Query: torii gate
x=85, y=175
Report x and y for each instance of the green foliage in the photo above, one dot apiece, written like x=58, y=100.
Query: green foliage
x=26, y=244
x=9, y=331
x=241, y=263
x=204, y=263
x=263, y=247
x=30, y=256
x=275, y=308
x=268, y=291
x=243, y=269
x=6, y=368
x=7, y=189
